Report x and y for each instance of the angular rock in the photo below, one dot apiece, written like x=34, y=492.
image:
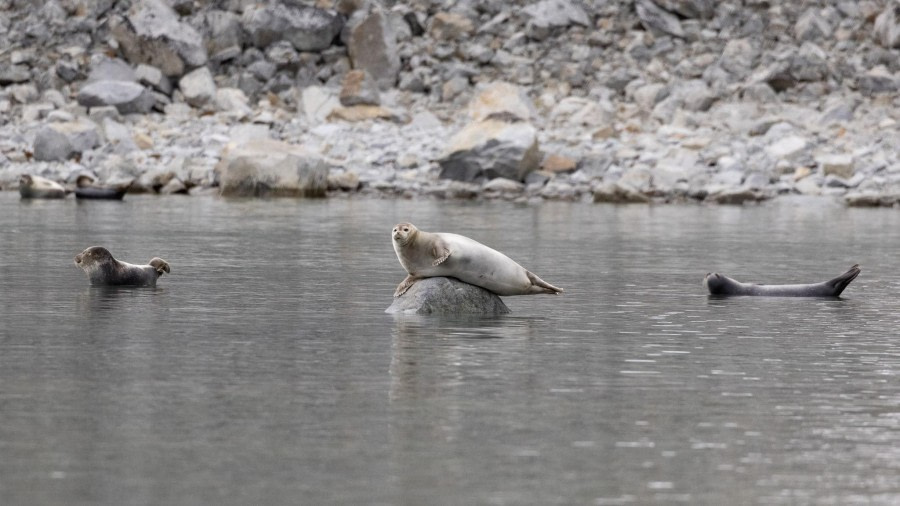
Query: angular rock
x=12, y=74
x=736, y=196
x=198, y=87
x=812, y=26
x=878, y=80
x=501, y=98
x=152, y=33
x=837, y=165
x=112, y=69
x=83, y=134
x=787, y=147
x=659, y=20
x=887, y=27
x=450, y=26
x=306, y=28
x=223, y=34
x=447, y=296
x=270, y=168
x=51, y=145
x=557, y=164
x=372, y=46
x=366, y=112
x=359, y=88
x=233, y=102
x=556, y=14
x=692, y=9
x=618, y=193
x=490, y=149
x=127, y=97
x=154, y=78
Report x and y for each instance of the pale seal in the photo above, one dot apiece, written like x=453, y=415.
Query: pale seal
x=104, y=270
x=428, y=255
x=37, y=187
x=718, y=284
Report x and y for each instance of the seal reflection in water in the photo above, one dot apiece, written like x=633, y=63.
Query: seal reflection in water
x=428, y=255
x=104, y=270
x=723, y=285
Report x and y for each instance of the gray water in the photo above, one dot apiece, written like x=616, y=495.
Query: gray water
x=264, y=371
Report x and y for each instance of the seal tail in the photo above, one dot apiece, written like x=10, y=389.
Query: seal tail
x=841, y=282
x=542, y=286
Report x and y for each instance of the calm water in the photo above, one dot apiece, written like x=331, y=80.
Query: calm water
x=264, y=371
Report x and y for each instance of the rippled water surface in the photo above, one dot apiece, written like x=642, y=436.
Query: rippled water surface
x=264, y=371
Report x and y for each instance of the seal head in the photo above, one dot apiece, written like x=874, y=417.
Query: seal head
x=103, y=269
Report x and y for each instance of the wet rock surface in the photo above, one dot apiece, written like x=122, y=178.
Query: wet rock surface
x=447, y=296
x=622, y=101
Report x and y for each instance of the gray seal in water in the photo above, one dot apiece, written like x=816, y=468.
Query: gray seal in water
x=104, y=270
x=718, y=284
x=37, y=187
x=428, y=255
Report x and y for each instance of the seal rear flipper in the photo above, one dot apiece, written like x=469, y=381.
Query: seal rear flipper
x=840, y=283
x=548, y=288
x=405, y=285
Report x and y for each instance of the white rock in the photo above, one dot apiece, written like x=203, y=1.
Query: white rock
x=787, y=147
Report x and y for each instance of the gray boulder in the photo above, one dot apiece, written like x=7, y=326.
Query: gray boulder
x=372, y=46
x=489, y=149
x=447, y=296
x=703, y=9
x=198, y=87
x=111, y=69
x=306, y=28
x=12, y=74
x=51, y=145
x=127, y=97
x=887, y=27
x=270, y=168
x=223, y=34
x=549, y=14
x=359, y=88
x=657, y=19
x=152, y=33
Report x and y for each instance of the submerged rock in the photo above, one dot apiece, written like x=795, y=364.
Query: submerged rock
x=447, y=296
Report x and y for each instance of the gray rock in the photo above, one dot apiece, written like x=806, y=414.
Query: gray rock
x=737, y=196
x=111, y=69
x=810, y=63
x=372, y=46
x=878, y=80
x=359, y=88
x=887, y=27
x=223, y=34
x=447, y=296
x=233, y=102
x=269, y=168
x=739, y=57
x=198, y=87
x=83, y=134
x=127, y=97
x=787, y=147
x=306, y=28
x=659, y=20
x=450, y=26
x=548, y=14
x=154, y=78
x=490, y=149
x=152, y=33
x=703, y=9
x=840, y=165
x=51, y=145
x=618, y=193
x=12, y=74
x=812, y=26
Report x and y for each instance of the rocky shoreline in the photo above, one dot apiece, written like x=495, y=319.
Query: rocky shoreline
x=599, y=101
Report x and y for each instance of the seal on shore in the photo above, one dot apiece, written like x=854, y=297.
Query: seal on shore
x=718, y=284
x=428, y=255
x=37, y=187
x=104, y=270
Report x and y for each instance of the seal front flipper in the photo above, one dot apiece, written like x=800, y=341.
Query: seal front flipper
x=405, y=285
x=441, y=252
x=840, y=283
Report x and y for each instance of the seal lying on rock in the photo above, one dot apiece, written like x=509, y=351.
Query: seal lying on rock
x=428, y=255
x=37, y=187
x=723, y=285
x=87, y=189
x=104, y=270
